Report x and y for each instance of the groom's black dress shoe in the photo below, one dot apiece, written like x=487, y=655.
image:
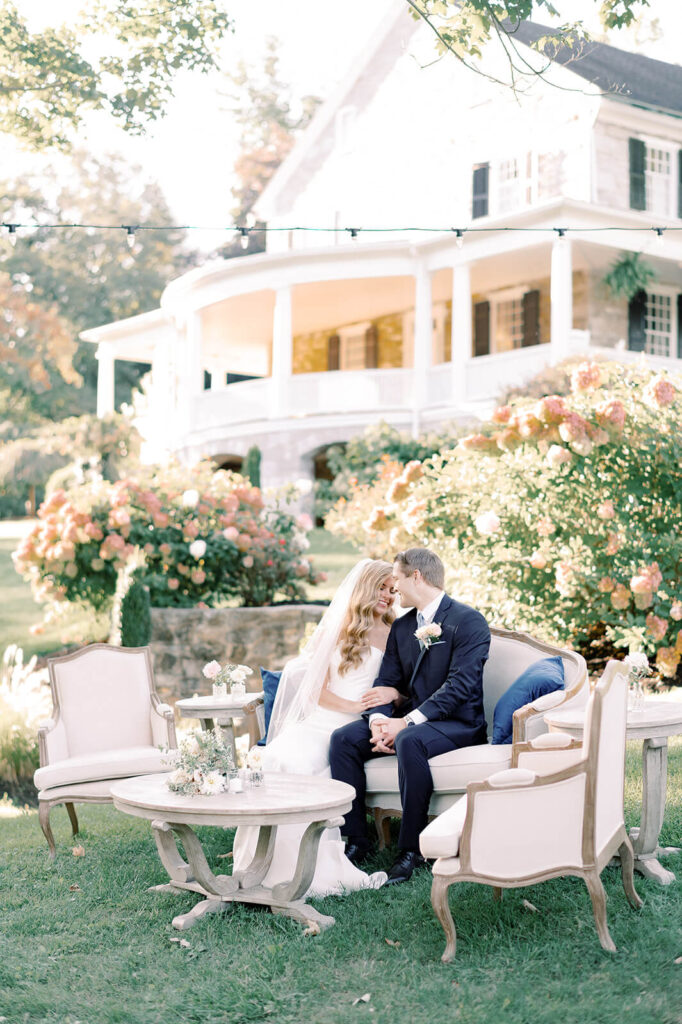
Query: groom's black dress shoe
x=357, y=853
x=403, y=866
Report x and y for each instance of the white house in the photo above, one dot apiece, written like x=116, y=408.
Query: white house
x=524, y=202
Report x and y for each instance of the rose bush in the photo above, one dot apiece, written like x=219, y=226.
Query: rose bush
x=206, y=537
x=560, y=516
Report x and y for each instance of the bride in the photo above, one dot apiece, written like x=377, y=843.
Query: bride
x=326, y=687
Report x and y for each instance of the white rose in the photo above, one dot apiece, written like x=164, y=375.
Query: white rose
x=487, y=523
x=179, y=777
x=190, y=499
x=197, y=548
x=637, y=662
x=303, y=486
x=213, y=782
x=211, y=670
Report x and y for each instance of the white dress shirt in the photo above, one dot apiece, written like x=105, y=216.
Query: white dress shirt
x=427, y=613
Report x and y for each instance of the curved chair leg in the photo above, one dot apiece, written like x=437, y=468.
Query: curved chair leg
x=44, y=819
x=497, y=893
x=71, y=811
x=598, y=897
x=441, y=907
x=627, y=865
x=382, y=824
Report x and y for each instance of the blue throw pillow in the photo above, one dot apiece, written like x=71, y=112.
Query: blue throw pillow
x=541, y=677
x=270, y=684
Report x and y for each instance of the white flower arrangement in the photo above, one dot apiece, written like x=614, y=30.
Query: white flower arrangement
x=228, y=674
x=428, y=635
x=203, y=765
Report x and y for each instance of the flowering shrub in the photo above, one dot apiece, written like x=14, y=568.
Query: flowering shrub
x=561, y=516
x=205, y=536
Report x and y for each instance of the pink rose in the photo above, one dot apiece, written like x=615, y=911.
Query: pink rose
x=247, y=562
x=487, y=523
x=501, y=414
x=558, y=456
x=606, y=584
x=538, y=560
x=661, y=392
x=304, y=522
x=606, y=510
x=545, y=527
x=231, y=533
x=611, y=415
x=197, y=576
x=676, y=611
x=173, y=583
x=551, y=409
x=165, y=549
x=585, y=377
x=656, y=626
x=613, y=544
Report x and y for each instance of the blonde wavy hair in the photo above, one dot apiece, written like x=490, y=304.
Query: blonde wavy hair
x=353, y=638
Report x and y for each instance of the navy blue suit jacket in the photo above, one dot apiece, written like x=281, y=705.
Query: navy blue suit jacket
x=444, y=681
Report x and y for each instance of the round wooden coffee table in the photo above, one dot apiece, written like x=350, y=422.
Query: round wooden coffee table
x=282, y=799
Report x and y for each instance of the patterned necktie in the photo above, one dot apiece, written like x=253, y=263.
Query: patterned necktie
x=420, y=620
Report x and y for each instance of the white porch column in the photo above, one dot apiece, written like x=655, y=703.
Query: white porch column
x=282, y=351
x=423, y=344
x=194, y=369
x=462, y=339
x=105, y=379
x=561, y=294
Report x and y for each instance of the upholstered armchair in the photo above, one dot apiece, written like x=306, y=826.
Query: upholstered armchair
x=557, y=811
x=107, y=723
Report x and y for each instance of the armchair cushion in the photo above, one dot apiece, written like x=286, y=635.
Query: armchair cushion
x=104, y=764
x=270, y=684
x=542, y=677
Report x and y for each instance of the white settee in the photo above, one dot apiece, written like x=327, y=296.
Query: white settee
x=510, y=654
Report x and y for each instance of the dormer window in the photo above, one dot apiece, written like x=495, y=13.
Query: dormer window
x=653, y=185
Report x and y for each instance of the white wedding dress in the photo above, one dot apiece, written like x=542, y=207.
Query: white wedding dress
x=303, y=749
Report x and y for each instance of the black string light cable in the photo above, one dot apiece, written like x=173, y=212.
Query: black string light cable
x=243, y=233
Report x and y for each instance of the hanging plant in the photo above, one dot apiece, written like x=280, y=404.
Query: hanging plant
x=628, y=275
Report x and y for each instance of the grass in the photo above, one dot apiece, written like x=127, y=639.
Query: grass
x=84, y=941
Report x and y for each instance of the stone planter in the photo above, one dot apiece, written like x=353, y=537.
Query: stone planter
x=184, y=639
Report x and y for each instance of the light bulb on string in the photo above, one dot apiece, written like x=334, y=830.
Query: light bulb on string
x=244, y=238
x=561, y=234
x=130, y=236
x=12, y=233
x=659, y=237
x=353, y=232
x=459, y=237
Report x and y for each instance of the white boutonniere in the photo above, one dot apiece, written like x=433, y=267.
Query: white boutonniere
x=428, y=635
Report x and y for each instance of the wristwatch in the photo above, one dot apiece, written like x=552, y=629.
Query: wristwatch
x=408, y=721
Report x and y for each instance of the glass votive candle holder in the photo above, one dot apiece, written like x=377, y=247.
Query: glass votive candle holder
x=256, y=777
x=236, y=784
x=219, y=690
x=238, y=690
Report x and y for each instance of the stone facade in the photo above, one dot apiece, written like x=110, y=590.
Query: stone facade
x=184, y=639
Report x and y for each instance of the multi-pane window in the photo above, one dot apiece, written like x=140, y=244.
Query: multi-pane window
x=508, y=324
x=509, y=186
x=658, y=180
x=514, y=182
x=658, y=325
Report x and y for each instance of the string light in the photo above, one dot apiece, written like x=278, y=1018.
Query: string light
x=244, y=231
x=659, y=237
x=244, y=238
x=11, y=232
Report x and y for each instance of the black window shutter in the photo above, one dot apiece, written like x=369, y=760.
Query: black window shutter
x=637, y=322
x=637, y=175
x=531, y=318
x=207, y=380
x=479, y=206
x=679, y=183
x=371, y=347
x=679, y=326
x=334, y=352
x=481, y=328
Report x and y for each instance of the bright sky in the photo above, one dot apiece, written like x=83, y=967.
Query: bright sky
x=192, y=151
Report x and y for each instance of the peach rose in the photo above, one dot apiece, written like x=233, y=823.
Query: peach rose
x=606, y=584
x=676, y=611
x=538, y=560
x=620, y=597
x=667, y=660
x=585, y=377
x=606, y=510
x=656, y=626
x=558, y=456
x=173, y=583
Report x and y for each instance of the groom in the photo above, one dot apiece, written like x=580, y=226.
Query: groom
x=441, y=678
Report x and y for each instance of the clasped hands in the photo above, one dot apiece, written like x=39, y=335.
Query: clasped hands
x=383, y=731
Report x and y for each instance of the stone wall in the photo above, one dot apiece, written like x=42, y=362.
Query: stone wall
x=184, y=639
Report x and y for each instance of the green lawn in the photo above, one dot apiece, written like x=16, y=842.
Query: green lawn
x=82, y=940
